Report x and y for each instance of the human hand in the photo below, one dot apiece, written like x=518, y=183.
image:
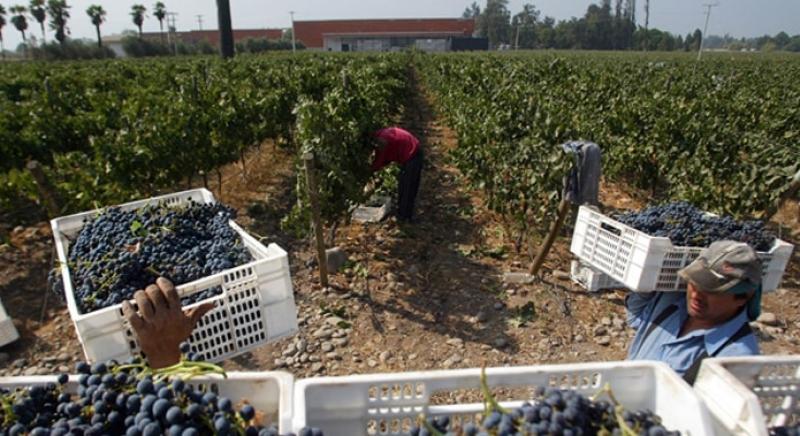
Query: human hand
x=160, y=323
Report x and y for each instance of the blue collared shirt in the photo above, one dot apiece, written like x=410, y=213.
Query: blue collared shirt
x=663, y=343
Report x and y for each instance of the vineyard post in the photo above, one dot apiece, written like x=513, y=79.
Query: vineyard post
x=563, y=208
x=46, y=191
x=311, y=185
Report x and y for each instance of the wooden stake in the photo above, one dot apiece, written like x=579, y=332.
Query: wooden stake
x=311, y=185
x=563, y=208
x=46, y=191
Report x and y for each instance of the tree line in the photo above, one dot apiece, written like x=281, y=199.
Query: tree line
x=603, y=27
x=57, y=12
x=781, y=41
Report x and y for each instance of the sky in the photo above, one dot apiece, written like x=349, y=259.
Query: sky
x=736, y=17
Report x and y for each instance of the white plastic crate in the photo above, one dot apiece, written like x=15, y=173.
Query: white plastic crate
x=256, y=305
x=8, y=333
x=645, y=263
x=268, y=392
x=591, y=279
x=389, y=404
x=373, y=214
x=746, y=395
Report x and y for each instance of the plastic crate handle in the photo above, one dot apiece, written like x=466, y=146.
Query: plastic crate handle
x=196, y=286
x=611, y=228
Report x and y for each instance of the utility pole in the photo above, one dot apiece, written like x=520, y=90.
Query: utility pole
x=225, y=28
x=172, y=30
x=646, y=22
x=200, y=22
x=294, y=44
x=708, y=7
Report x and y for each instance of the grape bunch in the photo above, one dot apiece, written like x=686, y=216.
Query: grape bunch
x=129, y=400
x=686, y=225
x=119, y=252
x=787, y=430
x=554, y=412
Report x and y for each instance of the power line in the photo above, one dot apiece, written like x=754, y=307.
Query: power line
x=708, y=7
x=200, y=21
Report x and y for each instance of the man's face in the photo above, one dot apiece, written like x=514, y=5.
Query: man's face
x=712, y=307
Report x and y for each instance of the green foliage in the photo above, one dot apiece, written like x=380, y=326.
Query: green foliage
x=260, y=45
x=722, y=134
x=111, y=131
x=71, y=50
x=137, y=47
x=336, y=128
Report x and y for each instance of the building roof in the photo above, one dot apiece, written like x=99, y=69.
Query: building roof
x=212, y=36
x=116, y=37
x=311, y=32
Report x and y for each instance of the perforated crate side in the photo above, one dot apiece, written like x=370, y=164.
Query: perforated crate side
x=747, y=395
x=390, y=403
x=591, y=279
x=262, y=287
x=269, y=392
x=646, y=263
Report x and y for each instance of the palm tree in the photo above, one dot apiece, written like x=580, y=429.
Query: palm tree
x=98, y=15
x=137, y=12
x=38, y=12
x=19, y=21
x=2, y=24
x=59, y=12
x=160, y=12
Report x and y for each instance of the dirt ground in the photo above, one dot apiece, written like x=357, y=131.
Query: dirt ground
x=427, y=295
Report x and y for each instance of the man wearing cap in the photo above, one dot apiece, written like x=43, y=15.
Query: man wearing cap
x=710, y=320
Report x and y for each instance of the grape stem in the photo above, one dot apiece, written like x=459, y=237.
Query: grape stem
x=489, y=400
x=618, y=409
x=424, y=422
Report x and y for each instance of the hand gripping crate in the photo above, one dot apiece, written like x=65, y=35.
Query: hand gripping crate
x=256, y=305
x=645, y=263
x=389, y=404
x=8, y=333
x=747, y=395
x=269, y=393
x=591, y=279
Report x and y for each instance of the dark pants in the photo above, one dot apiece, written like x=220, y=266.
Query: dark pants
x=408, y=182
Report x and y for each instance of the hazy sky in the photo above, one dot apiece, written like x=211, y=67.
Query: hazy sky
x=737, y=17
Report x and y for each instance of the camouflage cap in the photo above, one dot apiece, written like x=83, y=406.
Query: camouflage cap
x=727, y=266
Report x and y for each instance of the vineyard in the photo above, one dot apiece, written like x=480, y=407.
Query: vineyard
x=112, y=131
x=115, y=131
x=679, y=139
x=722, y=135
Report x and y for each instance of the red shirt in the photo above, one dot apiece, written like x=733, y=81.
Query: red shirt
x=400, y=147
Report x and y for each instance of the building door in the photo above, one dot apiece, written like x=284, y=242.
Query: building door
x=345, y=47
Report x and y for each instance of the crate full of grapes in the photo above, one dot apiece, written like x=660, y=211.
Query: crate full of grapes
x=106, y=255
x=644, y=250
x=118, y=402
x=754, y=396
x=634, y=397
